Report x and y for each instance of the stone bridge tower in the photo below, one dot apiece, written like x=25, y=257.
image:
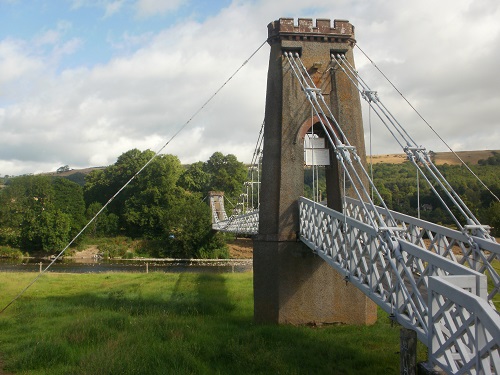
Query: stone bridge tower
x=291, y=284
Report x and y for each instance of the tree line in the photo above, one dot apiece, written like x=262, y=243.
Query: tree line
x=163, y=205
x=397, y=184
x=398, y=187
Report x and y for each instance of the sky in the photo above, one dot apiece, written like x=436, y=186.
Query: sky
x=82, y=81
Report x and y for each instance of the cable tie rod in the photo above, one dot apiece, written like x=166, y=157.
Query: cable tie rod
x=396, y=229
x=409, y=148
x=476, y=226
x=344, y=147
x=313, y=89
x=370, y=95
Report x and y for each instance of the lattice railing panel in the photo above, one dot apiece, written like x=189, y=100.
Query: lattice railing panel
x=247, y=223
x=472, y=251
x=398, y=280
x=465, y=330
x=240, y=224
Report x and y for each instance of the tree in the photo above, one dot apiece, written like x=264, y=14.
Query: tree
x=142, y=205
x=492, y=160
x=492, y=215
x=101, y=185
x=226, y=173
x=105, y=224
x=62, y=169
x=31, y=218
x=156, y=206
x=195, y=178
x=68, y=198
x=186, y=229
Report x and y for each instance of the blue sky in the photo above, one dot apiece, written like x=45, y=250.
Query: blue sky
x=82, y=81
x=99, y=29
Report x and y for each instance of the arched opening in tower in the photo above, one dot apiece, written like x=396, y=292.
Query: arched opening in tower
x=316, y=158
x=322, y=180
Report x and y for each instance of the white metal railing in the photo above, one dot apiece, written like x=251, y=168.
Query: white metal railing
x=247, y=223
x=394, y=275
x=464, y=335
x=464, y=248
x=241, y=224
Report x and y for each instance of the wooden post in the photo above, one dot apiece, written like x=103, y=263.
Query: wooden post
x=147, y=267
x=40, y=264
x=408, y=352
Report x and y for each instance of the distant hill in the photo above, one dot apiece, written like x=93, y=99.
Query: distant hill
x=469, y=157
x=75, y=175
x=84, y=171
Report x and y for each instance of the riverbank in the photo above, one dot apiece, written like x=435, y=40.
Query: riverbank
x=172, y=323
x=89, y=259
x=142, y=265
x=239, y=248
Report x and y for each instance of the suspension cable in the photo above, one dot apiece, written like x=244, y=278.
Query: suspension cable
x=371, y=154
x=412, y=150
x=429, y=125
x=311, y=145
x=258, y=145
x=155, y=155
x=418, y=151
x=254, y=164
x=385, y=234
x=415, y=153
x=345, y=150
x=341, y=150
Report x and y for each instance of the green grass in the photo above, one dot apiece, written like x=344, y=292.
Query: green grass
x=161, y=323
x=491, y=285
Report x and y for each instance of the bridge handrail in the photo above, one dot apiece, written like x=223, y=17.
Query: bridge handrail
x=436, y=227
x=460, y=328
x=247, y=223
x=450, y=267
x=359, y=253
x=457, y=315
x=476, y=252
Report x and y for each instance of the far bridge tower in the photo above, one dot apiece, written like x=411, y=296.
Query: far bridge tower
x=291, y=284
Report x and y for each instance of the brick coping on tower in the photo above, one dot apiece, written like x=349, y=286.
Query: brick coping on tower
x=285, y=29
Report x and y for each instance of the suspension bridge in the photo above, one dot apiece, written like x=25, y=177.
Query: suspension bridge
x=335, y=261
x=332, y=261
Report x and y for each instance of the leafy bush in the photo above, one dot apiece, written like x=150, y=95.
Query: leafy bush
x=116, y=247
x=492, y=160
x=9, y=252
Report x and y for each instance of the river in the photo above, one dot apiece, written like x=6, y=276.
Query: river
x=71, y=265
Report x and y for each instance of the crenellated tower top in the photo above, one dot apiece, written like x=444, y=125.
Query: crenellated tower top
x=286, y=29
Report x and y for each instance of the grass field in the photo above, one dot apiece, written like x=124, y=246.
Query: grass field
x=161, y=323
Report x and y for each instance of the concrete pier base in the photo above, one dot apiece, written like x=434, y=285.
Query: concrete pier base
x=294, y=286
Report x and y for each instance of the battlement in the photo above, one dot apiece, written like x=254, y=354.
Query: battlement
x=286, y=29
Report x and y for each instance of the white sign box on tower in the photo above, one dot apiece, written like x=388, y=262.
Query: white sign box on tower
x=315, y=152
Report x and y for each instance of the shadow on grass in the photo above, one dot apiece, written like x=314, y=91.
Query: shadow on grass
x=208, y=296
x=192, y=326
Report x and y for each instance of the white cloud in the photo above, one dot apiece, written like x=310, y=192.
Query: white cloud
x=440, y=54
x=113, y=7
x=148, y=8
x=15, y=63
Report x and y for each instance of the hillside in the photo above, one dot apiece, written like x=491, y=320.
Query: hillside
x=469, y=157
x=84, y=171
